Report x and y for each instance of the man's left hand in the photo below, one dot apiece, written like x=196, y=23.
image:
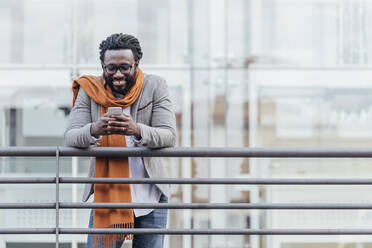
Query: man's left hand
x=123, y=124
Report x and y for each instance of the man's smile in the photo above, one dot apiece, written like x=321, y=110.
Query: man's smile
x=118, y=82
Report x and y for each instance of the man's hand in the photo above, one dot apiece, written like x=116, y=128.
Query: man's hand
x=99, y=127
x=123, y=124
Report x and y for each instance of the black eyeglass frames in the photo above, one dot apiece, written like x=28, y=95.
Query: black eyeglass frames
x=124, y=68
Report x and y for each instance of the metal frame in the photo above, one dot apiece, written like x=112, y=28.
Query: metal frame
x=185, y=152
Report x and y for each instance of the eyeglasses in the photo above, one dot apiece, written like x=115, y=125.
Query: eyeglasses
x=112, y=69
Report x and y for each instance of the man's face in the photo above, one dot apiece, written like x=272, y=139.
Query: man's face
x=119, y=69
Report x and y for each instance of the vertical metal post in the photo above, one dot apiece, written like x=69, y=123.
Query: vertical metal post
x=74, y=24
x=3, y=138
x=226, y=62
x=256, y=46
x=74, y=75
x=253, y=123
x=57, y=197
x=188, y=241
x=74, y=189
x=13, y=127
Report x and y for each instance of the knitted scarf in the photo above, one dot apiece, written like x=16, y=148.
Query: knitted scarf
x=110, y=167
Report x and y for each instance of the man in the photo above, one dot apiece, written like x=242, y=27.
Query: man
x=147, y=120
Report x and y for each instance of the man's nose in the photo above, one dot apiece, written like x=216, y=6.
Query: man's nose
x=118, y=74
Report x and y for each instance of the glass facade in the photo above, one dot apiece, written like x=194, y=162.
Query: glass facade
x=241, y=73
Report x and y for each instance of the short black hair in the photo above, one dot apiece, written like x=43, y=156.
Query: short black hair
x=121, y=41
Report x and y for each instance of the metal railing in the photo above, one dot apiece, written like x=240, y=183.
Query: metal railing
x=184, y=152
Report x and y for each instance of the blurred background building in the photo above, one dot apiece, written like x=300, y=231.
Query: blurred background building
x=242, y=73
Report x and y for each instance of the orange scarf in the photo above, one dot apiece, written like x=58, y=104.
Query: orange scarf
x=110, y=167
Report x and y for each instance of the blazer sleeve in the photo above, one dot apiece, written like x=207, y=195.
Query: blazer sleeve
x=77, y=133
x=162, y=131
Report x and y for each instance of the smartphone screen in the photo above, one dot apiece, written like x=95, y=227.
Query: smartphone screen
x=115, y=111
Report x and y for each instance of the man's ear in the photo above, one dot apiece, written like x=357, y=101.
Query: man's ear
x=102, y=65
x=136, y=63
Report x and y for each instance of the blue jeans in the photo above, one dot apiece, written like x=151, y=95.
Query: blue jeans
x=156, y=219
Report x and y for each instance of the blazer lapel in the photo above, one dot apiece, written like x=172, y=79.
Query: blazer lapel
x=134, y=106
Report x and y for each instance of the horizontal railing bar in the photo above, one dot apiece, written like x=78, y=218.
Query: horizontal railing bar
x=16, y=180
x=313, y=206
x=253, y=181
x=273, y=181
x=267, y=206
x=26, y=151
x=235, y=231
x=27, y=230
x=191, y=152
x=222, y=231
x=27, y=205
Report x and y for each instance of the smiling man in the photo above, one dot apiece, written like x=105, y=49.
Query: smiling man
x=147, y=119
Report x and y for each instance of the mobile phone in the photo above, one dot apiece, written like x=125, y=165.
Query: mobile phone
x=115, y=111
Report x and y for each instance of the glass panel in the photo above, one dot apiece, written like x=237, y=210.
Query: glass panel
x=238, y=33
x=6, y=31
x=159, y=26
x=46, y=41
x=323, y=33
x=94, y=24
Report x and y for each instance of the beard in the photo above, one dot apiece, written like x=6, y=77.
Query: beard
x=130, y=80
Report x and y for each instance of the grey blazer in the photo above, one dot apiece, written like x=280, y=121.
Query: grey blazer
x=154, y=114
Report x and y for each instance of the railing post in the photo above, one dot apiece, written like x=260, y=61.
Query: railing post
x=57, y=197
